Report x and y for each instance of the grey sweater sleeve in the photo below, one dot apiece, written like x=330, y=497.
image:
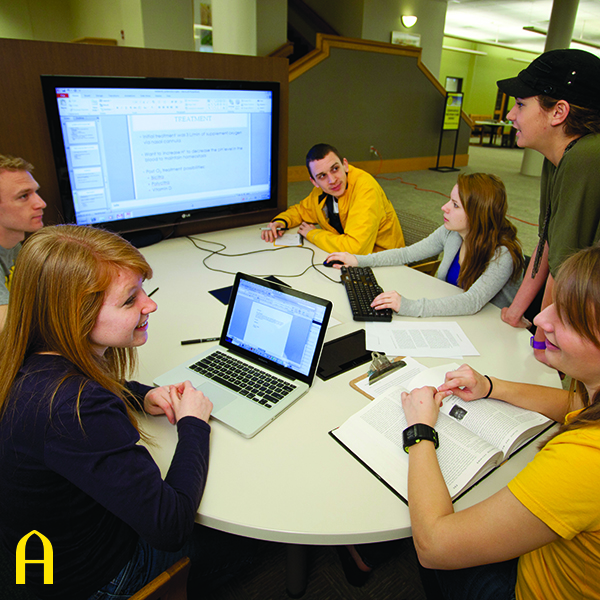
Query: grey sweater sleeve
x=430, y=246
x=7, y=262
x=486, y=288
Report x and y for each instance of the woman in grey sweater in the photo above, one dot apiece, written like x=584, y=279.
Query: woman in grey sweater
x=482, y=254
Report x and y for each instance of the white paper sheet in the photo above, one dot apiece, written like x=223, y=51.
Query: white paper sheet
x=333, y=322
x=436, y=340
x=289, y=239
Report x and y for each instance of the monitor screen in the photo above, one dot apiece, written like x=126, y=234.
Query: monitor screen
x=140, y=153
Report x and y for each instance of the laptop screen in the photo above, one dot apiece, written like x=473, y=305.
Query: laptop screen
x=276, y=324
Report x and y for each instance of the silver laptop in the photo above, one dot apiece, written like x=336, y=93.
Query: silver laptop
x=266, y=358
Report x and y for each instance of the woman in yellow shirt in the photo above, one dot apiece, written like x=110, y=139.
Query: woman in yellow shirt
x=539, y=537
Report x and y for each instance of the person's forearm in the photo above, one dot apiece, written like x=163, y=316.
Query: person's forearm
x=430, y=246
x=428, y=500
x=548, y=299
x=289, y=220
x=297, y=213
x=138, y=391
x=529, y=288
x=550, y=402
x=385, y=258
x=335, y=242
x=539, y=335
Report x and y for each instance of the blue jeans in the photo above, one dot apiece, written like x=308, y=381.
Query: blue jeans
x=487, y=582
x=215, y=556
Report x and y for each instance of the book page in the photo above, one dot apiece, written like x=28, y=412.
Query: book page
x=374, y=435
x=501, y=424
x=433, y=376
x=464, y=457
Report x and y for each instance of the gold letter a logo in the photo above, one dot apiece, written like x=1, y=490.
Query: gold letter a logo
x=47, y=561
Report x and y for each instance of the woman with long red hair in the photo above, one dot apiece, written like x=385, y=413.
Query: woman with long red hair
x=482, y=254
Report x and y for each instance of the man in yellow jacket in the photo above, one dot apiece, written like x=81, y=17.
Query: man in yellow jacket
x=346, y=212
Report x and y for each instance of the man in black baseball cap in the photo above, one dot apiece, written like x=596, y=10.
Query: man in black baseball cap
x=568, y=74
x=557, y=113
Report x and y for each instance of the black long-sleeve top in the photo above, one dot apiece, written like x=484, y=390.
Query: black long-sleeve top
x=88, y=486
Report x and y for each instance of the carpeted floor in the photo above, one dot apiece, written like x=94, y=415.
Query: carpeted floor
x=396, y=579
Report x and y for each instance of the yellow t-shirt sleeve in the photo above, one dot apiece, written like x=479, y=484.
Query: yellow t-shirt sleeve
x=561, y=485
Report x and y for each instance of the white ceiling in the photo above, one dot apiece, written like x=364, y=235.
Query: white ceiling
x=502, y=22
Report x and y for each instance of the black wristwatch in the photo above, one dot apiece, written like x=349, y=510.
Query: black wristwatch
x=415, y=433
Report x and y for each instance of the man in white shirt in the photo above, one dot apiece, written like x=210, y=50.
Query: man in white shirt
x=21, y=212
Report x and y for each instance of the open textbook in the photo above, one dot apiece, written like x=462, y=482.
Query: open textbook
x=475, y=437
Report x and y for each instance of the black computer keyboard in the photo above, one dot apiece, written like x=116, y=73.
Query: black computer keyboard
x=361, y=287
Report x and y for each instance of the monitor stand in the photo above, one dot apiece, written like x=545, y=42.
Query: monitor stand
x=141, y=239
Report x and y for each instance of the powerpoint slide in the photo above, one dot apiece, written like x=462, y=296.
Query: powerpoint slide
x=172, y=155
x=85, y=155
x=81, y=132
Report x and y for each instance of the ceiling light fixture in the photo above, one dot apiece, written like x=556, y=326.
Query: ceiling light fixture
x=466, y=51
x=576, y=40
x=408, y=20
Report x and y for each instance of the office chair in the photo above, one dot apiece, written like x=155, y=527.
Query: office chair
x=169, y=585
x=429, y=267
x=415, y=228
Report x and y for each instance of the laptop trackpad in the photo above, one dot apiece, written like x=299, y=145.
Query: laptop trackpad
x=219, y=396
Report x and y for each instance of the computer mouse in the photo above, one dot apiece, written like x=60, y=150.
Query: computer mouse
x=332, y=262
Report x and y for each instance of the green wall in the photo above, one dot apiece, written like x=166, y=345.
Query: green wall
x=384, y=101
x=66, y=20
x=480, y=73
x=376, y=19
x=107, y=19
x=345, y=16
x=168, y=26
x=36, y=20
x=234, y=27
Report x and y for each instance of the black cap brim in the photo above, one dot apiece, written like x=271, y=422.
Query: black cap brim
x=516, y=88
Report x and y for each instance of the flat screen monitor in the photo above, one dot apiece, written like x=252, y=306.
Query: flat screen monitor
x=141, y=153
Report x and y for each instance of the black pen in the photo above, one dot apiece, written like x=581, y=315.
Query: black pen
x=153, y=292
x=199, y=341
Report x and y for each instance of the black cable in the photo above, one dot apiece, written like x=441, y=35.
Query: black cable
x=224, y=247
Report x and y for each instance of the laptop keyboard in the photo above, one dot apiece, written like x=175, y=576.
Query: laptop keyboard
x=257, y=385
